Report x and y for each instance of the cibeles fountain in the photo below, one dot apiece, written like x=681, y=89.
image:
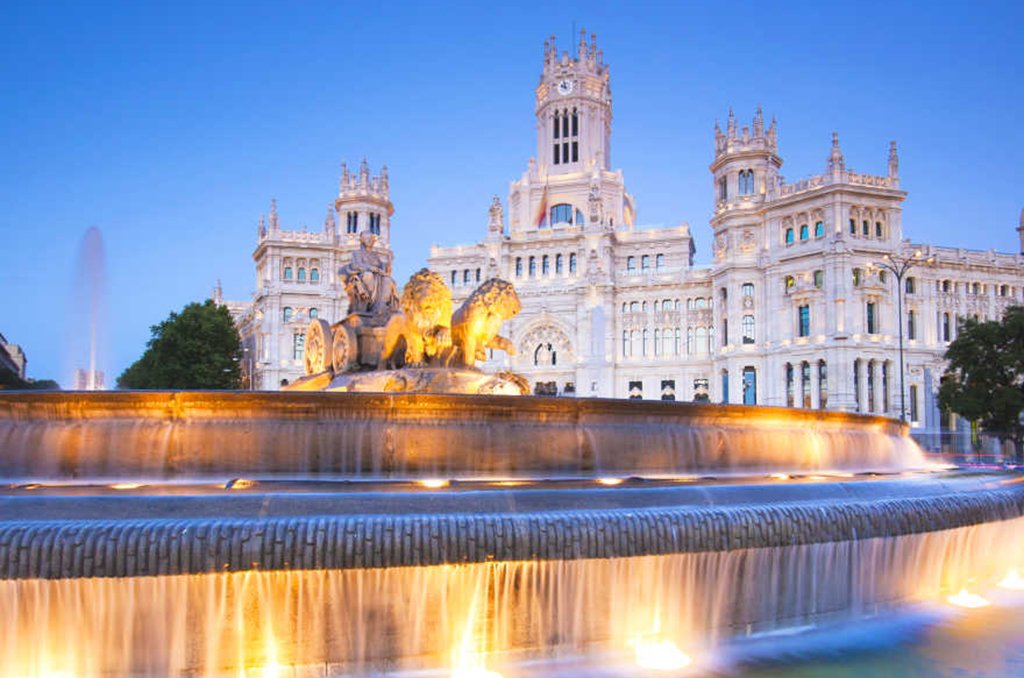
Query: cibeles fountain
x=413, y=343
x=379, y=522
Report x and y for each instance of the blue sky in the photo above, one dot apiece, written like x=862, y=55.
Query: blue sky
x=171, y=125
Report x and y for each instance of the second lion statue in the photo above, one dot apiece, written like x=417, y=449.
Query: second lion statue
x=476, y=324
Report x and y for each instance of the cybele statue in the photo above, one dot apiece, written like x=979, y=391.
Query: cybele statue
x=412, y=343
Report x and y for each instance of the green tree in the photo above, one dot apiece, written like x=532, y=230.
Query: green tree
x=197, y=348
x=984, y=382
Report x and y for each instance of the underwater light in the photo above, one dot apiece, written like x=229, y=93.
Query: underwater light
x=659, y=654
x=967, y=599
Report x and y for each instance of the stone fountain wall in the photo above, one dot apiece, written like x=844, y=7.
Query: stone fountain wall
x=166, y=435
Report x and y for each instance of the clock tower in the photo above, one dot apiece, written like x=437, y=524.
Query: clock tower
x=574, y=109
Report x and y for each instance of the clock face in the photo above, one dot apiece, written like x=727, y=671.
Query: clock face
x=565, y=87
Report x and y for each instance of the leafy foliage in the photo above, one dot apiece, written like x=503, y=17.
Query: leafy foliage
x=196, y=349
x=10, y=380
x=985, y=378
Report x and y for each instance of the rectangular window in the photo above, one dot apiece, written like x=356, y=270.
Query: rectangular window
x=565, y=125
x=298, y=345
x=659, y=261
x=853, y=227
x=913, y=403
x=789, y=385
x=748, y=329
x=872, y=321
x=565, y=152
x=912, y=325
x=749, y=386
x=557, y=154
x=725, y=387
x=805, y=384
x=885, y=387
x=822, y=385
x=575, y=151
x=805, y=321
x=856, y=384
x=668, y=389
x=871, y=386
x=645, y=263
x=575, y=123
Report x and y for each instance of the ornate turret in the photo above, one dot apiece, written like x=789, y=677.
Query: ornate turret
x=363, y=202
x=574, y=109
x=836, y=161
x=330, y=225
x=745, y=164
x=894, y=165
x=496, y=217
x=1020, y=231
x=273, y=223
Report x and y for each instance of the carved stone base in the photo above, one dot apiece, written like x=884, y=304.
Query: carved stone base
x=427, y=380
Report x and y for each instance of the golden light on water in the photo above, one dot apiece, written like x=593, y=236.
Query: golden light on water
x=779, y=476
x=610, y=481
x=966, y=599
x=433, y=483
x=1012, y=581
x=125, y=486
x=659, y=654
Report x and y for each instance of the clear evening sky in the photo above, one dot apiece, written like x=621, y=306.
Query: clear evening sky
x=170, y=126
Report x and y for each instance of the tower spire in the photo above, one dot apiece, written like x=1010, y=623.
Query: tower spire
x=731, y=124
x=758, y=123
x=273, y=215
x=894, y=161
x=1020, y=231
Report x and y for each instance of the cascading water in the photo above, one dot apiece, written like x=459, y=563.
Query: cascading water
x=366, y=620
x=231, y=534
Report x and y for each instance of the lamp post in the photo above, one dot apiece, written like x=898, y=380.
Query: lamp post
x=899, y=265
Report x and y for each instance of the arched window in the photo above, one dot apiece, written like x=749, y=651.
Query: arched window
x=748, y=329
x=749, y=385
x=580, y=221
x=287, y=314
x=819, y=229
x=689, y=341
x=657, y=342
x=645, y=263
x=646, y=337
x=314, y=275
x=302, y=274
x=676, y=340
x=819, y=278
x=788, y=370
x=533, y=267
x=287, y=272
x=945, y=327
x=822, y=385
x=465, y=277
x=314, y=314
x=519, y=267
x=545, y=265
x=572, y=263
x=700, y=302
x=909, y=284
x=634, y=307
x=561, y=214
x=643, y=307
x=805, y=384
x=804, y=232
x=455, y=276
x=625, y=344
x=878, y=229
x=478, y=275
x=631, y=264
x=865, y=228
x=659, y=261
x=912, y=325
x=853, y=227
x=747, y=290
x=789, y=236
x=558, y=264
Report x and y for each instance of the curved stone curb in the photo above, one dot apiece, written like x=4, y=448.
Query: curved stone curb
x=131, y=548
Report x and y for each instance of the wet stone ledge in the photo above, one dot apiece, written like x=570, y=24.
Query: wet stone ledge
x=57, y=549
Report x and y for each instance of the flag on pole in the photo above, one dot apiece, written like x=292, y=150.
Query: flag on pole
x=542, y=208
x=628, y=210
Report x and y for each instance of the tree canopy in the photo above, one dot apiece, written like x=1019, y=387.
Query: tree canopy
x=198, y=348
x=985, y=378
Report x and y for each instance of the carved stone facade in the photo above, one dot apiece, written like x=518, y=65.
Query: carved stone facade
x=794, y=310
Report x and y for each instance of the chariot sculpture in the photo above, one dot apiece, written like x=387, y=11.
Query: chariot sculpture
x=412, y=342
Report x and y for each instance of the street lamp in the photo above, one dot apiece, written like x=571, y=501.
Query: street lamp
x=898, y=265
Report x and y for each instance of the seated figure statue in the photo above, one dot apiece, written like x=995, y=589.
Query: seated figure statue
x=367, y=277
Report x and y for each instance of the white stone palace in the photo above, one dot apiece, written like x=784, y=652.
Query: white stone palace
x=796, y=309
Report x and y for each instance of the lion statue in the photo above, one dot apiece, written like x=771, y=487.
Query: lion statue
x=424, y=323
x=475, y=325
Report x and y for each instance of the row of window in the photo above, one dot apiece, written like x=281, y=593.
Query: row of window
x=468, y=277
x=288, y=313
x=789, y=235
x=545, y=265
x=566, y=126
x=352, y=222
x=973, y=289
x=667, y=342
x=805, y=399
x=645, y=263
x=865, y=228
x=659, y=305
x=314, y=274
x=866, y=398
